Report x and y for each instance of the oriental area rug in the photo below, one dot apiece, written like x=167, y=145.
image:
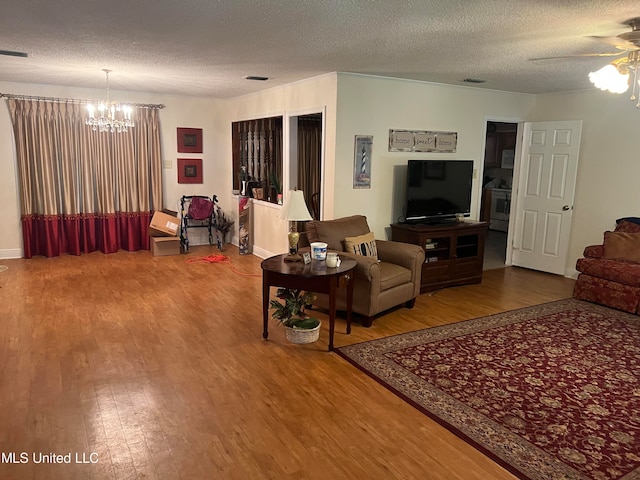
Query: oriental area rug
x=549, y=392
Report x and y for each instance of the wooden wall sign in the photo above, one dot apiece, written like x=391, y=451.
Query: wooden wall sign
x=422, y=141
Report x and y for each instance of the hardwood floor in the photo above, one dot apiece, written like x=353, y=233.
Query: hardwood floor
x=156, y=368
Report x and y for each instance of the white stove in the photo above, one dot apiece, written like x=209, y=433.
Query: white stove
x=500, y=209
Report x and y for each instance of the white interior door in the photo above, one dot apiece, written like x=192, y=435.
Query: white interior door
x=544, y=205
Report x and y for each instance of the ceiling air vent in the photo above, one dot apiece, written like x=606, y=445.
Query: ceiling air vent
x=474, y=80
x=256, y=77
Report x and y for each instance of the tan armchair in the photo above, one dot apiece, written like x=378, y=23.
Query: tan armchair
x=378, y=285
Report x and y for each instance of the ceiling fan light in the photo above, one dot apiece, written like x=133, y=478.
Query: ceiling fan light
x=610, y=79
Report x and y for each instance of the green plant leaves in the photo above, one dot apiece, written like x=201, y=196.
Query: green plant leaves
x=304, y=323
x=291, y=310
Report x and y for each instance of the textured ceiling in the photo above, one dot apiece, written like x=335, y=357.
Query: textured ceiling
x=206, y=47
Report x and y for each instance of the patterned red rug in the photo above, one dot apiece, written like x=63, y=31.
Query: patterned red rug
x=549, y=392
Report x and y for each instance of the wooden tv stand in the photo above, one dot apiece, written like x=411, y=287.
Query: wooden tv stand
x=453, y=251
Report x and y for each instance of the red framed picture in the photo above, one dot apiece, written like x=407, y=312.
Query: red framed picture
x=189, y=140
x=189, y=170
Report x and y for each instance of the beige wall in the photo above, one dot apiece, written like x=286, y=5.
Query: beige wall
x=608, y=170
x=202, y=113
x=214, y=117
x=609, y=164
x=359, y=105
x=316, y=94
x=10, y=233
x=373, y=105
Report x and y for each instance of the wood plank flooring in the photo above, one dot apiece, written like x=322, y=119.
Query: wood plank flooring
x=155, y=368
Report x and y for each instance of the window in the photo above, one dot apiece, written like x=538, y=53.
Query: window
x=257, y=157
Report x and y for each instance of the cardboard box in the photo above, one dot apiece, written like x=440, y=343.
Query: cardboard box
x=163, y=225
x=161, y=246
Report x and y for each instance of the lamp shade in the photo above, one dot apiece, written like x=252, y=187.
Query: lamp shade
x=609, y=78
x=295, y=209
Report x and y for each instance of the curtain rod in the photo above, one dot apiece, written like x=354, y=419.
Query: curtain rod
x=72, y=100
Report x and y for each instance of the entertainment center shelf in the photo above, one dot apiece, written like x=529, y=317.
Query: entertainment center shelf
x=453, y=251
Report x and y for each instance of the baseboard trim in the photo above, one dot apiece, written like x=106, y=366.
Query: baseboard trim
x=257, y=251
x=261, y=253
x=571, y=273
x=11, y=253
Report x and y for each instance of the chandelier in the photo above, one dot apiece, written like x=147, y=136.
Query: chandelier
x=615, y=76
x=109, y=116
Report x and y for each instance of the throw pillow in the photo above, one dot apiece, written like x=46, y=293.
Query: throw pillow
x=364, y=245
x=635, y=220
x=627, y=226
x=621, y=245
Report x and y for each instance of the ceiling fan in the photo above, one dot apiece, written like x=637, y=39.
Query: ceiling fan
x=625, y=42
x=615, y=76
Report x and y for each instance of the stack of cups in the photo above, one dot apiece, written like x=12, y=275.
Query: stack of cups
x=333, y=260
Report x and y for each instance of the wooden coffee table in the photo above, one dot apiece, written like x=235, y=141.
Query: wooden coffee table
x=312, y=277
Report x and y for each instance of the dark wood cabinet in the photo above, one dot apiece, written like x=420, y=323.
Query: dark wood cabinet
x=453, y=252
x=506, y=141
x=496, y=143
x=491, y=151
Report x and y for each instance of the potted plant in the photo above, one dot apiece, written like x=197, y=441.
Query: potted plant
x=275, y=184
x=223, y=223
x=290, y=313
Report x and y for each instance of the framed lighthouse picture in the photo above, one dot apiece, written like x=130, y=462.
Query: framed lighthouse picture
x=362, y=161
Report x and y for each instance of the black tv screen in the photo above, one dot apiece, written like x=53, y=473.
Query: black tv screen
x=438, y=189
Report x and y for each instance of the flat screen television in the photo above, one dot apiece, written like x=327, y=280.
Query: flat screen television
x=437, y=190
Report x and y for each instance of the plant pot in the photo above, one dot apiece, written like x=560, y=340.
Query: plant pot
x=301, y=336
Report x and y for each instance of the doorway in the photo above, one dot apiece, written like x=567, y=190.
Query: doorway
x=497, y=185
x=306, y=171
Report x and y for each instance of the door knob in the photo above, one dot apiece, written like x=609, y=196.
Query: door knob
x=566, y=207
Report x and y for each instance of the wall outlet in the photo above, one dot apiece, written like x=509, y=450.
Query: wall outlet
x=166, y=164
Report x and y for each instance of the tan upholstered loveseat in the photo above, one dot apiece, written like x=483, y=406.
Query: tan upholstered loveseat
x=378, y=285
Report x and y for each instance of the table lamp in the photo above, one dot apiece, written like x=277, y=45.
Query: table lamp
x=294, y=210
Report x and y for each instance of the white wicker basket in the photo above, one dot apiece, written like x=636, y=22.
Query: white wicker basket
x=302, y=335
